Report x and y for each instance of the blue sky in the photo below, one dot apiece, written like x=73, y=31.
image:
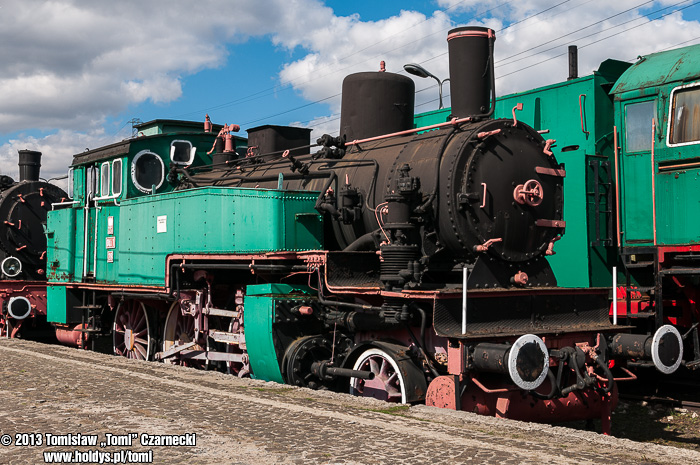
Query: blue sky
x=76, y=71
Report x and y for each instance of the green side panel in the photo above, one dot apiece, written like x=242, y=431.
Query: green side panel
x=678, y=207
x=259, y=314
x=636, y=199
x=260, y=302
x=107, y=258
x=56, y=301
x=61, y=306
x=60, y=245
x=277, y=289
x=79, y=242
x=203, y=221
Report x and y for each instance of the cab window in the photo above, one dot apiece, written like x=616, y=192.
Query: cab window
x=91, y=183
x=638, y=118
x=147, y=171
x=117, y=177
x=685, y=111
x=104, y=179
x=182, y=152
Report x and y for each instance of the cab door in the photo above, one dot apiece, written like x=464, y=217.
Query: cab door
x=636, y=183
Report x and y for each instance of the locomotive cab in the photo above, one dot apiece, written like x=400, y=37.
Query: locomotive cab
x=657, y=117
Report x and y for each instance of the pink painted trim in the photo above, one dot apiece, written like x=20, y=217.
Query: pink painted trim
x=580, y=108
x=483, y=135
x=483, y=196
x=547, y=146
x=520, y=278
x=550, y=171
x=485, y=246
x=617, y=187
x=489, y=33
x=490, y=391
x=518, y=107
x=632, y=376
x=452, y=122
x=653, y=177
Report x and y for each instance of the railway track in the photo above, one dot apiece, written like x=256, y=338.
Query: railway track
x=670, y=402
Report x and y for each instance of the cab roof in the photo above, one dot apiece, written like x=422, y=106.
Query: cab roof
x=678, y=65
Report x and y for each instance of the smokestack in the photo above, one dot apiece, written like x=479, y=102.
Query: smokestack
x=29, y=165
x=573, y=62
x=471, y=71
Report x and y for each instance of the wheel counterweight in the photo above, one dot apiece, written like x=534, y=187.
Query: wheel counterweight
x=132, y=331
x=179, y=331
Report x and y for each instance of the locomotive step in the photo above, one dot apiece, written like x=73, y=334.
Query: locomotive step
x=641, y=289
x=222, y=312
x=226, y=337
x=173, y=350
x=88, y=307
x=689, y=257
x=644, y=264
x=687, y=271
x=639, y=316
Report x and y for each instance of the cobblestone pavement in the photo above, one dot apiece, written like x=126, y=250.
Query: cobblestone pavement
x=60, y=391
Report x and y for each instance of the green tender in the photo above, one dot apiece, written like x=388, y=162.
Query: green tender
x=145, y=230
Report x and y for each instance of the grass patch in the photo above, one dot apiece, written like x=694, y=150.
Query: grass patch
x=398, y=410
x=280, y=390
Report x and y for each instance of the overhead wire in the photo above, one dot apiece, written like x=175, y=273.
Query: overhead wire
x=284, y=84
x=257, y=94
x=602, y=39
x=336, y=95
x=641, y=18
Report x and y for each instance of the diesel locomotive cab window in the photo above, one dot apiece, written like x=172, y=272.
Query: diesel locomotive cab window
x=91, y=182
x=116, y=178
x=685, y=123
x=181, y=152
x=147, y=170
x=638, y=118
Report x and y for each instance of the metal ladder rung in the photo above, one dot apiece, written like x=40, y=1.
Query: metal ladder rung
x=226, y=337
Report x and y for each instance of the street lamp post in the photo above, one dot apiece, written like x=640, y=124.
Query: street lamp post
x=418, y=70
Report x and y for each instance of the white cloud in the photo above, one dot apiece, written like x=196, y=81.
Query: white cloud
x=57, y=151
x=67, y=65
x=356, y=46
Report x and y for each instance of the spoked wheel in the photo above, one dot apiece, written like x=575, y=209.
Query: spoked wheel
x=388, y=383
x=131, y=331
x=179, y=331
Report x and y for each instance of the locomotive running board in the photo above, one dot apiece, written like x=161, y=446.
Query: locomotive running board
x=504, y=313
